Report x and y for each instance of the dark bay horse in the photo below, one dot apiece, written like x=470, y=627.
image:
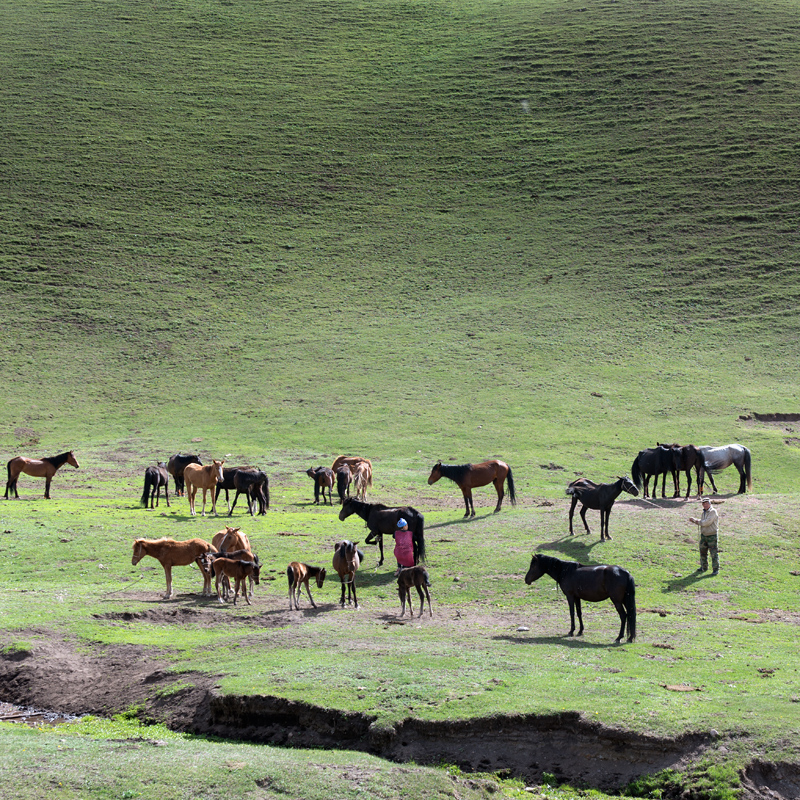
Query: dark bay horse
x=323, y=478
x=715, y=459
x=653, y=462
x=255, y=485
x=685, y=458
x=469, y=476
x=154, y=479
x=593, y=584
x=600, y=496
x=175, y=467
x=382, y=520
x=38, y=468
x=343, y=480
x=347, y=559
x=227, y=483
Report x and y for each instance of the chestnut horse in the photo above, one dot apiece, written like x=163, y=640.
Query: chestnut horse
x=347, y=559
x=205, y=478
x=468, y=476
x=39, y=468
x=299, y=575
x=170, y=553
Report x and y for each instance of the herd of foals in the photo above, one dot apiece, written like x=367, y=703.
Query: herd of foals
x=229, y=561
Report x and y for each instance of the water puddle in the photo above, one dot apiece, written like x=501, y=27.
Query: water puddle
x=35, y=717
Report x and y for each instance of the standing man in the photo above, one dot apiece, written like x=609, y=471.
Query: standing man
x=709, y=525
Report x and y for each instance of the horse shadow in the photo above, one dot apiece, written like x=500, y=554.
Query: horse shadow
x=460, y=521
x=572, y=642
x=574, y=550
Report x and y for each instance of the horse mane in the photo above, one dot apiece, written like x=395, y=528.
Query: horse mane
x=563, y=567
x=455, y=472
x=58, y=461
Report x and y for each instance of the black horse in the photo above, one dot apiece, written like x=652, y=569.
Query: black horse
x=597, y=495
x=343, y=479
x=578, y=582
x=686, y=458
x=175, y=467
x=653, y=462
x=382, y=520
x=227, y=483
x=154, y=479
x=255, y=485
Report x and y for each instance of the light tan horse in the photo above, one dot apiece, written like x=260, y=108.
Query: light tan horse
x=197, y=477
x=39, y=468
x=170, y=553
x=362, y=478
x=352, y=462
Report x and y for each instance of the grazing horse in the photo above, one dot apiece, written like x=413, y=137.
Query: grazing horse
x=323, y=479
x=468, y=476
x=598, y=495
x=685, y=459
x=205, y=478
x=382, y=520
x=715, y=459
x=594, y=584
x=299, y=575
x=170, y=553
x=347, y=559
x=38, y=468
x=362, y=479
x=238, y=570
x=653, y=462
x=175, y=467
x=227, y=483
x=343, y=479
x=255, y=485
x=418, y=577
x=154, y=479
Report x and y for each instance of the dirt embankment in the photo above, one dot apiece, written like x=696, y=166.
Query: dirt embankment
x=58, y=677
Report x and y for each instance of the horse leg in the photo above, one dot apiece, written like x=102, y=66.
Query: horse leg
x=168, y=575
x=646, y=483
x=428, y=595
x=421, y=600
x=623, y=616
x=341, y=603
x=584, y=509
x=688, y=482
x=580, y=616
x=607, y=515
x=467, y=497
x=571, y=601
x=742, y=481
x=377, y=536
x=47, y=488
x=572, y=512
x=498, y=484
x=230, y=508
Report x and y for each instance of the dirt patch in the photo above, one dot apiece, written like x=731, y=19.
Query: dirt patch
x=777, y=417
x=56, y=675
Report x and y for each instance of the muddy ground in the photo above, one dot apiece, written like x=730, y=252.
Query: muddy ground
x=55, y=675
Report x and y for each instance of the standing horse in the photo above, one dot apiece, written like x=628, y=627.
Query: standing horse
x=299, y=575
x=419, y=578
x=175, y=467
x=227, y=483
x=598, y=495
x=343, y=480
x=468, y=476
x=38, y=468
x=347, y=559
x=653, y=462
x=685, y=459
x=173, y=554
x=154, y=479
x=323, y=479
x=205, y=478
x=382, y=520
x=715, y=459
x=594, y=584
x=255, y=485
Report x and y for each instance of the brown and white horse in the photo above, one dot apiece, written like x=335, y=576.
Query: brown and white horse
x=38, y=468
x=205, y=478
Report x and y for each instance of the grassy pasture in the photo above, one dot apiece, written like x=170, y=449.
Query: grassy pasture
x=539, y=231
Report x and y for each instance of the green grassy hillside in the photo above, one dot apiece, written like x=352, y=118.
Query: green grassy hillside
x=531, y=229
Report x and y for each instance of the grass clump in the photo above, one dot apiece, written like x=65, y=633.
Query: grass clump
x=704, y=781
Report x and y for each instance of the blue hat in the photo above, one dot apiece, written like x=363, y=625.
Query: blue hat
x=401, y=523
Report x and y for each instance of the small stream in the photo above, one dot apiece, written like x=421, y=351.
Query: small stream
x=35, y=717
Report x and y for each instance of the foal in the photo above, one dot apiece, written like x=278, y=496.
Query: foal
x=323, y=479
x=347, y=559
x=299, y=575
x=414, y=576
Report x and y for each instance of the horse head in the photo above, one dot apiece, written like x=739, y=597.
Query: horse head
x=138, y=552
x=436, y=473
x=217, y=469
x=628, y=485
x=321, y=577
x=72, y=460
x=347, y=509
x=535, y=571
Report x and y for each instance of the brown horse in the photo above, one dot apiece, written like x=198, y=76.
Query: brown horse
x=347, y=559
x=39, y=468
x=205, y=478
x=170, y=553
x=468, y=476
x=417, y=577
x=299, y=575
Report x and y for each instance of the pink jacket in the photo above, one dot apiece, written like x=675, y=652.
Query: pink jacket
x=404, y=548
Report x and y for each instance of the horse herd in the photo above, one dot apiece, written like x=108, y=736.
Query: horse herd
x=229, y=556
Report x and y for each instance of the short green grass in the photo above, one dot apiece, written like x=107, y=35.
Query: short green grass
x=543, y=231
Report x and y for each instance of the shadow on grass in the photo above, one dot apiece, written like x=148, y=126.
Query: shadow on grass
x=686, y=582
x=571, y=548
x=573, y=642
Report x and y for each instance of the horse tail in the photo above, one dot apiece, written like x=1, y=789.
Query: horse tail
x=748, y=475
x=512, y=496
x=630, y=606
x=290, y=576
x=636, y=475
x=146, y=492
x=419, y=536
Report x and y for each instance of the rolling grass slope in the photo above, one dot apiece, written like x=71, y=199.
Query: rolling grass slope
x=537, y=230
